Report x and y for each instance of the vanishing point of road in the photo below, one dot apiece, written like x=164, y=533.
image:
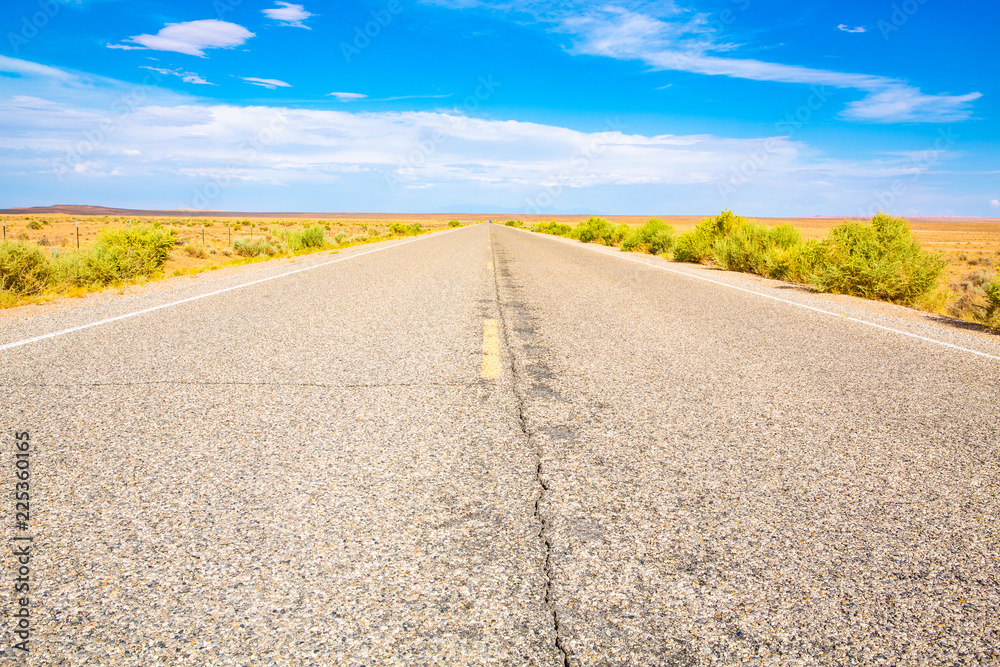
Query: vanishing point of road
x=490, y=447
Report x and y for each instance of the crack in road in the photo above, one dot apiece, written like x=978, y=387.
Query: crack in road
x=543, y=488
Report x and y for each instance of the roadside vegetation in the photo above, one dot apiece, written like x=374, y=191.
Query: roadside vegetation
x=39, y=270
x=877, y=260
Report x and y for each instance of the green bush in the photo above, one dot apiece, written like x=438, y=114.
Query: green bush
x=400, y=229
x=991, y=311
x=514, y=223
x=698, y=244
x=310, y=237
x=753, y=248
x=118, y=255
x=554, y=228
x=655, y=237
x=599, y=230
x=880, y=260
x=254, y=248
x=24, y=269
x=34, y=224
x=454, y=223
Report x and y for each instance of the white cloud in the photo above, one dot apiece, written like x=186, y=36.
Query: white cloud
x=28, y=68
x=288, y=14
x=348, y=97
x=315, y=145
x=270, y=84
x=433, y=159
x=995, y=203
x=667, y=37
x=899, y=103
x=190, y=77
x=186, y=77
x=845, y=28
x=191, y=38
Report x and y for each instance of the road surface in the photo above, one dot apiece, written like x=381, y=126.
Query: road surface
x=486, y=446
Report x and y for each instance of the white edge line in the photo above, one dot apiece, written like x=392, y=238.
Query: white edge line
x=621, y=255
x=126, y=316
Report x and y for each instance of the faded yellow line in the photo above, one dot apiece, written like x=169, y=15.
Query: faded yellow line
x=491, y=350
x=489, y=266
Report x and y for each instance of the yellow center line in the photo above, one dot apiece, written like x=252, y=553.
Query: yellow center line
x=491, y=350
x=489, y=266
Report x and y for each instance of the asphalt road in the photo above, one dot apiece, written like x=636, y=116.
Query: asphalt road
x=485, y=446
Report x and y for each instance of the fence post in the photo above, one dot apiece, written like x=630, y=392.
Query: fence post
x=229, y=228
x=78, y=236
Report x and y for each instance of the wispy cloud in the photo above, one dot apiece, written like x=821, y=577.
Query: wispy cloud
x=186, y=77
x=288, y=14
x=353, y=97
x=191, y=38
x=681, y=45
x=665, y=36
x=995, y=203
x=270, y=84
x=348, y=97
x=898, y=103
x=845, y=28
x=28, y=68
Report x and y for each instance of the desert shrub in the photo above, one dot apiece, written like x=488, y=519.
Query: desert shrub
x=554, y=228
x=193, y=250
x=118, y=255
x=24, y=269
x=753, y=248
x=880, y=260
x=514, y=223
x=400, y=229
x=599, y=230
x=972, y=296
x=311, y=237
x=254, y=248
x=339, y=238
x=454, y=223
x=655, y=237
x=34, y=224
x=228, y=252
x=698, y=244
x=991, y=311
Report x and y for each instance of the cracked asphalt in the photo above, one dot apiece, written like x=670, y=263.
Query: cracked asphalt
x=491, y=447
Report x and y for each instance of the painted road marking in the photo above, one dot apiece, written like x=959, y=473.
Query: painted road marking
x=109, y=320
x=491, y=350
x=621, y=255
x=489, y=266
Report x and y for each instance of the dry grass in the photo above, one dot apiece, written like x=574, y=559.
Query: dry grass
x=59, y=232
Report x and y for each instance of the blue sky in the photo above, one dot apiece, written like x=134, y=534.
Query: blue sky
x=525, y=106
